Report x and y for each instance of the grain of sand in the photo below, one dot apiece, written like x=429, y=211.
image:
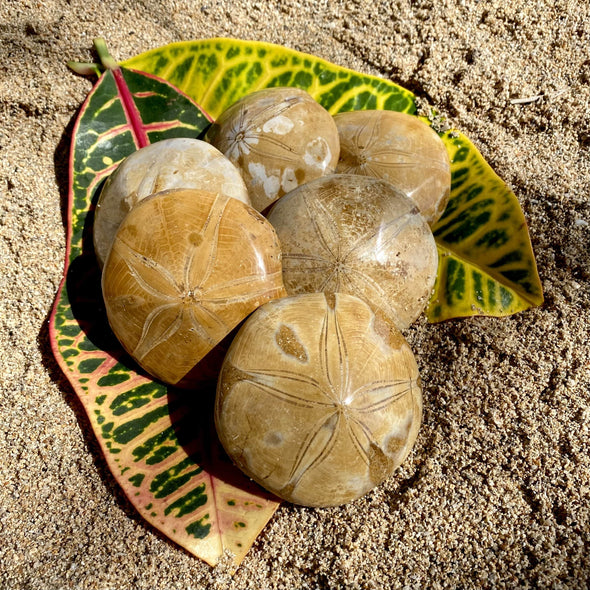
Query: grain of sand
x=497, y=491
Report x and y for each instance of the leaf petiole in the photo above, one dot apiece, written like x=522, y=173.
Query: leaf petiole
x=106, y=59
x=127, y=100
x=84, y=68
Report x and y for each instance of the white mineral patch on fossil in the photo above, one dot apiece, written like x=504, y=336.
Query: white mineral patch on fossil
x=318, y=154
x=269, y=183
x=279, y=125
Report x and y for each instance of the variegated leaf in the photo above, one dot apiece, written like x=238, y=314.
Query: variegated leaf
x=158, y=442
x=474, y=276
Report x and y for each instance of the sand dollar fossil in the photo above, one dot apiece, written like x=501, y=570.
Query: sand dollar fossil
x=279, y=138
x=358, y=235
x=171, y=163
x=319, y=398
x=185, y=268
x=399, y=148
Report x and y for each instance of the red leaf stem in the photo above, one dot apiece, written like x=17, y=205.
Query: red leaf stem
x=129, y=107
x=131, y=112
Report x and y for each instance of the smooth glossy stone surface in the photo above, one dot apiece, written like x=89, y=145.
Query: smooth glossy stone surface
x=185, y=268
x=167, y=164
x=279, y=138
x=399, y=148
x=358, y=235
x=319, y=399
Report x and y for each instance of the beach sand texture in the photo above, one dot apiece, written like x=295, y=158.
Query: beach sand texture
x=496, y=493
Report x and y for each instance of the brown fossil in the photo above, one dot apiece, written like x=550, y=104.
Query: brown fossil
x=319, y=398
x=279, y=138
x=171, y=163
x=399, y=148
x=358, y=235
x=185, y=268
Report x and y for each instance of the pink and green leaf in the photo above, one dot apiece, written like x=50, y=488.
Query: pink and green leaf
x=159, y=442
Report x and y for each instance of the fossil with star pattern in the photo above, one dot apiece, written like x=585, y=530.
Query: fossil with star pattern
x=186, y=267
x=319, y=398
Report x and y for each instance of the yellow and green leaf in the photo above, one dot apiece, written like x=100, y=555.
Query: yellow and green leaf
x=217, y=72
x=486, y=263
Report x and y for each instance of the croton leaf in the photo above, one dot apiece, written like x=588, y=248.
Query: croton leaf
x=159, y=443
x=486, y=262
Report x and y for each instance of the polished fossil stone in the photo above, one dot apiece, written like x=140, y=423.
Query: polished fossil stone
x=399, y=148
x=358, y=235
x=319, y=398
x=171, y=163
x=185, y=268
x=279, y=138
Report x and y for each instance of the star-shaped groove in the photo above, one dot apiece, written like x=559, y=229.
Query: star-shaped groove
x=244, y=133
x=341, y=410
x=190, y=299
x=338, y=259
x=358, y=147
x=367, y=157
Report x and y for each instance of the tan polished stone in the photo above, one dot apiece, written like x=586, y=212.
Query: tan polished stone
x=319, y=398
x=185, y=268
x=399, y=148
x=279, y=138
x=358, y=235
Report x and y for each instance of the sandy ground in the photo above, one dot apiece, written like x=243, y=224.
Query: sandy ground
x=497, y=491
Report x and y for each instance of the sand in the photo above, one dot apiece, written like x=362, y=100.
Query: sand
x=496, y=493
